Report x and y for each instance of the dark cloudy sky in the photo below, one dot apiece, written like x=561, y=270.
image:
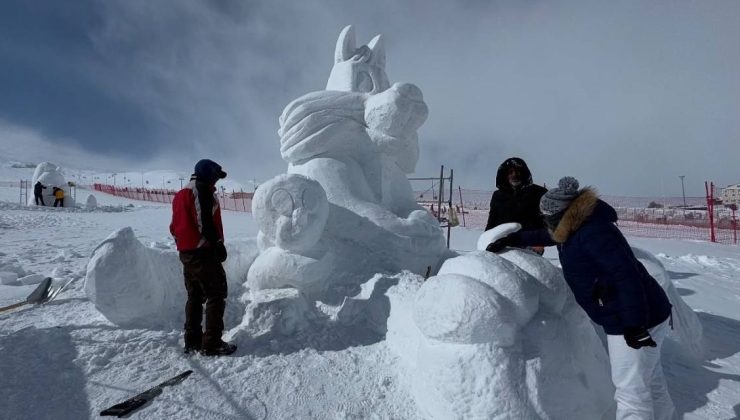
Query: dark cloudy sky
x=624, y=95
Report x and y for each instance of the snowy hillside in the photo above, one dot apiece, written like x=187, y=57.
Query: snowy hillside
x=66, y=360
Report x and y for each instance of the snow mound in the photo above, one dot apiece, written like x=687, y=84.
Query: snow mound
x=687, y=329
x=488, y=338
x=8, y=277
x=136, y=286
x=91, y=203
x=472, y=312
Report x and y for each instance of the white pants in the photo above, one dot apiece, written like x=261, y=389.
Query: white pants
x=638, y=376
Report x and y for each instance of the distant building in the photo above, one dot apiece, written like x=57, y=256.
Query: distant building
x=731, y=195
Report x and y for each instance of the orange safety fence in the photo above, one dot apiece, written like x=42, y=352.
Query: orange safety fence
x=234, y=201
x=647, y=217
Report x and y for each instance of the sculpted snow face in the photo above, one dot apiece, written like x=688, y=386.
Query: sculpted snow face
x=356, y=141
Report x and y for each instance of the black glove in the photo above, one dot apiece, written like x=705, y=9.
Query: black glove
x=221, y=251
x=499, y=244
x=638, y=337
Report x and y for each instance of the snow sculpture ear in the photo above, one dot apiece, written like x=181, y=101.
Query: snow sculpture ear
x=345, y=45
x=377, y=46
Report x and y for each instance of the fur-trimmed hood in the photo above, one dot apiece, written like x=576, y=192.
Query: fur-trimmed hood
x=583, y=207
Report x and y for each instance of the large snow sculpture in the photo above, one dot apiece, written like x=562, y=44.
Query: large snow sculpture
x=498, y=337
x=353, y=144
x=50, y=175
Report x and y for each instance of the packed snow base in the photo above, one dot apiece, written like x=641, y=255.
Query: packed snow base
x=331, y=370
x=488, y=336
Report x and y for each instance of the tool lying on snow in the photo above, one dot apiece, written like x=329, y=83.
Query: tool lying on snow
x=41, y=294
x=134, y=403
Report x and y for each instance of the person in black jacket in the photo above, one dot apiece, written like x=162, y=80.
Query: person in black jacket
x=613, y=288
x=516, y=199
x=38, y=193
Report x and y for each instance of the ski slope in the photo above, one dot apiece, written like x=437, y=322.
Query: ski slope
x=64, y=360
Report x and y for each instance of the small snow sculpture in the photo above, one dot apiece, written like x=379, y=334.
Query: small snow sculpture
x=91, y=203
x=50, y=175
x=292, y=211
x=498, y=336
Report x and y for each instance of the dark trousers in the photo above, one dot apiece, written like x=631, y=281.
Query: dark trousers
x=59, y=201
x=205, y=281
x=38, y=198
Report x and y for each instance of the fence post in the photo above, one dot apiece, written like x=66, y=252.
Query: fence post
x=462, y=208
x=709, y=187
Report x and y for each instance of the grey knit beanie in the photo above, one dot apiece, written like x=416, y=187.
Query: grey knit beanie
x=558, y=199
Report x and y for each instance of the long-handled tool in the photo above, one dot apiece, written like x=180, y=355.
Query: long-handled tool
x=136, y=402
x=40, y=294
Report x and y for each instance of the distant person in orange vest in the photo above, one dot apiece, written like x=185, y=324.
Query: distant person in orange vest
x=58, y=197
x=38, y=193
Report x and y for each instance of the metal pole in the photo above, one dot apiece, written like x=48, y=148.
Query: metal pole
x=683, y=191
x=441, y=191
x=449, y=204
x=462, y=207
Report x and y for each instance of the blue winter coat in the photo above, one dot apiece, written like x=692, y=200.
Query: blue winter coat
x=608, y=281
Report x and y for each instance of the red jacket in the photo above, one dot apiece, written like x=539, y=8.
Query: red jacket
x=191, y=227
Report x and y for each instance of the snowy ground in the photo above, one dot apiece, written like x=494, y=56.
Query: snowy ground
x=65, y=360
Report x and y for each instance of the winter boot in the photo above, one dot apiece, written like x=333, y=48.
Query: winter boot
x=193, y=341
x=192, y=348
x=221, y=348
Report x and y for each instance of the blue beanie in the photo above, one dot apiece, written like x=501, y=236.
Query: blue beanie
x=208, y=171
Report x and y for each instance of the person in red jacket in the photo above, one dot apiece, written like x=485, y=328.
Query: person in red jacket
x=198, y=232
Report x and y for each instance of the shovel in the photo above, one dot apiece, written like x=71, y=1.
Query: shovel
x=39, y=295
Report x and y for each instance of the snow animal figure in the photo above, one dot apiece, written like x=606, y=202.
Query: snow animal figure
x=50, y=175
x=357, y=140
x=292, y=211
x=499, y=336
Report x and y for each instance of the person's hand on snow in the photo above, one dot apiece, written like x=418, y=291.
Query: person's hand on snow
x=638, y=338
x=499, y=244
x=221, y=251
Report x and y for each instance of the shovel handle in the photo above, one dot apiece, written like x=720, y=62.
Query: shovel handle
x=13, y=306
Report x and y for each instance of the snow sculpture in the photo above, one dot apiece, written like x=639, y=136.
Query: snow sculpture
x=135, y=286
x=51, y=176
x=498, y=336
x=292, y=211
x=91, y=203
x=353, y=144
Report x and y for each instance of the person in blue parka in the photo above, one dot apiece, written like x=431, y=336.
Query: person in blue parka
x=613, y=288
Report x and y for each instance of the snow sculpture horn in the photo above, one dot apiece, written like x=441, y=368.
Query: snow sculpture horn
x=358, y=69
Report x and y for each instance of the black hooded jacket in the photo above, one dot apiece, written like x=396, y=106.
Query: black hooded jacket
x=520, y=205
